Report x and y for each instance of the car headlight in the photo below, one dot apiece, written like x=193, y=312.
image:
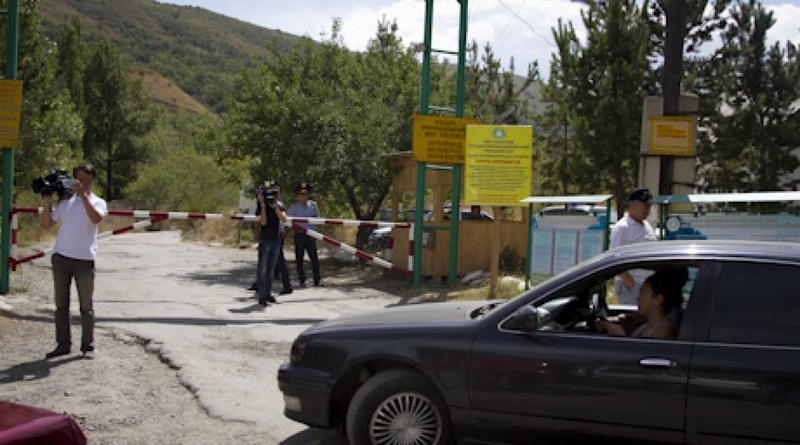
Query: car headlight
x=298, y=352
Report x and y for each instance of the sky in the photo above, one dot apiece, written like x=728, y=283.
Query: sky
x=521, y=29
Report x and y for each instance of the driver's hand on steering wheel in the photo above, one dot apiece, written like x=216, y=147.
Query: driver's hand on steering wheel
x=611, y=328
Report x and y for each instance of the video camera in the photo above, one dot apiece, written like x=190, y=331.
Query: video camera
x=58, y=181
x=269, y=190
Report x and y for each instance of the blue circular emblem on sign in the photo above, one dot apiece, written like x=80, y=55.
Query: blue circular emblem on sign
x=499, y=133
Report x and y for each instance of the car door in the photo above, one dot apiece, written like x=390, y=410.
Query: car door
x=527, y=385
x=744, y=386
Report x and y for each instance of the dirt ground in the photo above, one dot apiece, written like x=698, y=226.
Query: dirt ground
x=127, y=394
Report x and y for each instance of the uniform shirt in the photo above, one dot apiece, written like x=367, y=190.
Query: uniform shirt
x=77, y=235
x=629, y=231
x=298, y=210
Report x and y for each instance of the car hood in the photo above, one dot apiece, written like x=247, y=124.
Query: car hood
x=414, y=314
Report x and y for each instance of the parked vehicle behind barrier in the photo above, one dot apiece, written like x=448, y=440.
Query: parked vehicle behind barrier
x=534, y=368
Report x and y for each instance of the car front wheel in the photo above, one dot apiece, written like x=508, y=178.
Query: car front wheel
x=398, y=407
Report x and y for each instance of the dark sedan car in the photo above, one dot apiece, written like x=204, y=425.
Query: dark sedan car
x=534, y=368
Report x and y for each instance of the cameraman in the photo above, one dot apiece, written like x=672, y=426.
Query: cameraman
x=269, y=242
x=74, y=254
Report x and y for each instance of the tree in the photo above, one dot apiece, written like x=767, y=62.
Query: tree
x=492, y=95
x=560, y=169
x=119, y=114
x=51, y=129
x=329, y=116
x=183, y=180
x=751, y=134
x=605, y=81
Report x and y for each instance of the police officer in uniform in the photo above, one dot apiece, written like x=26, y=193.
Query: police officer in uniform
x=305, y=208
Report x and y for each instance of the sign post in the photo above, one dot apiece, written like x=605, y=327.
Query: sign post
x=12, y=17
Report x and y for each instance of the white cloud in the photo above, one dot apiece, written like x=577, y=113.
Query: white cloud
x=521, y=29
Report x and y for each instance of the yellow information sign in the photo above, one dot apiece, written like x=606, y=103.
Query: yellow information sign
x=10, y=112
x=671, y=135
x=440, y=139
x=498, y=164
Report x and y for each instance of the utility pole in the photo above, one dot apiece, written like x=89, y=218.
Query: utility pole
x=673, y=72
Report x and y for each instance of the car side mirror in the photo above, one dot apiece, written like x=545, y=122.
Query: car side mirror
x=527, y=318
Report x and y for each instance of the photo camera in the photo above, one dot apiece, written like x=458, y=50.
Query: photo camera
x=58, y=181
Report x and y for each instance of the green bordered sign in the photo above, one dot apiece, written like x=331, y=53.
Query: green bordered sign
x=498, y=164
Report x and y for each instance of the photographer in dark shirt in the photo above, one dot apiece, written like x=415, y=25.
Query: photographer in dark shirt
x=269, y=242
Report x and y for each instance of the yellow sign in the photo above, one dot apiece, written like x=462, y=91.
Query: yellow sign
x=440, y=139
x=671, y=135
x=10, y=112
x=498, y=164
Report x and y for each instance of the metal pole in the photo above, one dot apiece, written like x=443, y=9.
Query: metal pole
x=424, y=108
x=8, y=152
x=458, y=168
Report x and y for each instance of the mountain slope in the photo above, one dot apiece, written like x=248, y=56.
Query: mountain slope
x=199, y=50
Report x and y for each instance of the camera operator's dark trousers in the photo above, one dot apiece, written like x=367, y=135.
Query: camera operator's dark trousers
x=304, y=243
x=64, y=270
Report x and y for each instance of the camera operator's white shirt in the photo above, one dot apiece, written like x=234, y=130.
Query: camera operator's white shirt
x=77, y=235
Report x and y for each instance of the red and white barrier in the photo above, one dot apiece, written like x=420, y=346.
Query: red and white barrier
x=360, y=253
x=331, y=222
x=154, y=217
x=158, y=216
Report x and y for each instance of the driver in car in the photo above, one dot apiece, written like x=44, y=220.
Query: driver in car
x=658, y=297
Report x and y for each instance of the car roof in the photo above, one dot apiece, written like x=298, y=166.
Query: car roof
x=710, y=248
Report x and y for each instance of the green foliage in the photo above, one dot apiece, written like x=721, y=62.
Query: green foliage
x=494, y=96
x=51, y=129
x=329, y=116
x=183, y=180
x=511, y=261
x=597, y=92
x=754, y=126
x=119, y=116
x=199, y=50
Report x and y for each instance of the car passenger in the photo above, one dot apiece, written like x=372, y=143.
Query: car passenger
x=658, y=296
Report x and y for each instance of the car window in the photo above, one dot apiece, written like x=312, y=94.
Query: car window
x=757, y=304
x=576, y=308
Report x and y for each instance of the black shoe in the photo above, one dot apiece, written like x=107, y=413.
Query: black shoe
x=253, y=286
x=88, y=352
x=271, y=299
x=58, y=352
x=263, y=302
x=286, y=291
x=302, y=284
x=319, y=285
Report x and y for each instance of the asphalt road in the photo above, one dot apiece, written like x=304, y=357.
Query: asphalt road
x=190, y=305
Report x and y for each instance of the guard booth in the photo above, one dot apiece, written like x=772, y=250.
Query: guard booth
x=474, y=235
x=573, y=229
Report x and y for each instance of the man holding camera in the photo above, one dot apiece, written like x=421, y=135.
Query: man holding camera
x=269, y=241
x=73, y=255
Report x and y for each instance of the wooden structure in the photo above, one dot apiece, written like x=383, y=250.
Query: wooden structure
x=475, y=235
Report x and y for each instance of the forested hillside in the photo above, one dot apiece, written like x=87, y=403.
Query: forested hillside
x=199, y=50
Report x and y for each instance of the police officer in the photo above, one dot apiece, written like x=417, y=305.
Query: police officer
x=305, y=208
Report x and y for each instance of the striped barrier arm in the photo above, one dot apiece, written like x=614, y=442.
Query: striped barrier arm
x=360, y=253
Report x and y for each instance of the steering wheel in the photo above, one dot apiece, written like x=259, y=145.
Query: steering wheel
x=598, y=306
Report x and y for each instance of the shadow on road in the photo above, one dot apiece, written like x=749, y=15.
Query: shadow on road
x=316, y=436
